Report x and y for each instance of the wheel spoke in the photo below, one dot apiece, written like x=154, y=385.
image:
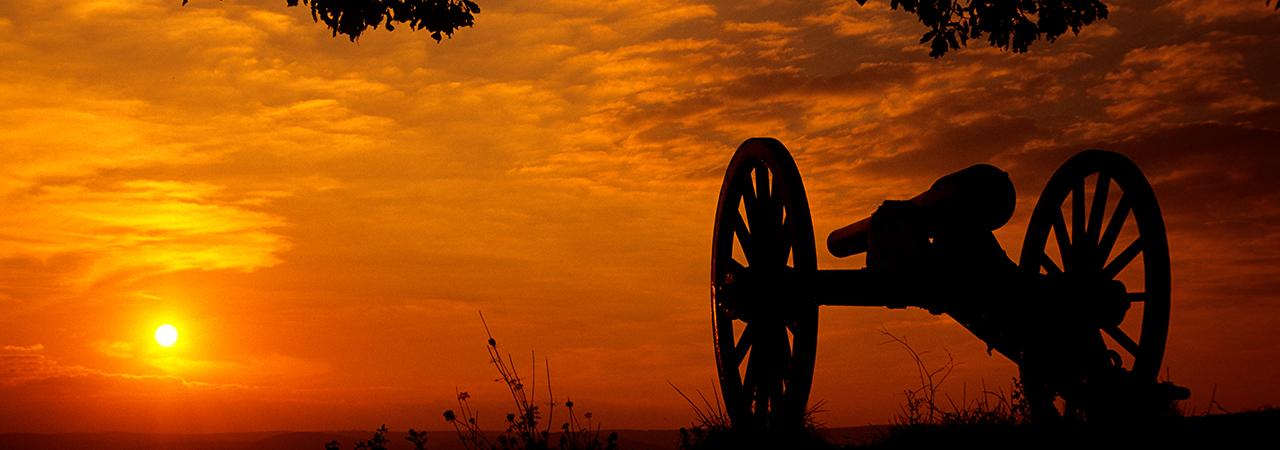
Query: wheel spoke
x=784, y=238
x=733, y=266
x=762, y=404
x=776, y=186
x=776, y=197
x=1123, y=339
x=744, y=344
x=1077, y=213
x=1136, y=297
x=1064, y=240
x=729, y=267
x=743, y=184
x=1123, y=259
x=1114, y=226
x=762, y=183
x=781, y=359
x=786, y=344
x=775, y=395
x=758, y=369
x=1049, y=265
x=744, y=236
x=1099, y=206
x=753, y=208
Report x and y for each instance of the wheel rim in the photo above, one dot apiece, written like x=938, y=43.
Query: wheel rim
x=1105, y=224
x=765, y=342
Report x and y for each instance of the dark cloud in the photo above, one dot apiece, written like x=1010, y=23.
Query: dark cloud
x=947, y=146
x=866, y=79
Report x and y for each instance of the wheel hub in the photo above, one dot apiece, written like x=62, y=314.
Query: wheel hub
x=752, y=294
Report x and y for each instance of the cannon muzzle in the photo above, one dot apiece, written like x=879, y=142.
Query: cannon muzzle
x=980, y=197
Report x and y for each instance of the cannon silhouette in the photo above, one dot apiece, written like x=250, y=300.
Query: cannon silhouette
x=1095, y=254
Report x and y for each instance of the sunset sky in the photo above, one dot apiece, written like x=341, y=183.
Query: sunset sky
x=323, y=220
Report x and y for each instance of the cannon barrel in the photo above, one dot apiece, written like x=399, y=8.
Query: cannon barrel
x=978, y=197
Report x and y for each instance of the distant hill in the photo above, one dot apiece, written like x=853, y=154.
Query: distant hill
x=1251, y=429
x=1254, y=429
x=315, y=440
x=282, y=440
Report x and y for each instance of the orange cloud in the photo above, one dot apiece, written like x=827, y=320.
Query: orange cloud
x=1156, y=84
x=874, y=22
x=1210, y=11
x=143, y=225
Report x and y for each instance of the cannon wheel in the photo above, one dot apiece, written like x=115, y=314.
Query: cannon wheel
x=764, y=358
x=1090, y=249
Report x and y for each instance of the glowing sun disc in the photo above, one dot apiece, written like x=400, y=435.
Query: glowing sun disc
x=166, y=335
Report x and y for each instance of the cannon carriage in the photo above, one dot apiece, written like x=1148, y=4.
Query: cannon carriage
x=1084, y=313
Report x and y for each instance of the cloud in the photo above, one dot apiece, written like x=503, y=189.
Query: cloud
x=23, y=348
x=116, y=349
x=27, y=367
x=146, y=226
x=42, y=394
x=873, y=22
x=1175, y=83
x=769, y=40
x=1211, y=11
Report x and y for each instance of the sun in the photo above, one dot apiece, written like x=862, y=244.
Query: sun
x=166, y=335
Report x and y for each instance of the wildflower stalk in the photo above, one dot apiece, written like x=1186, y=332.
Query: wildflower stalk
x=525, y=427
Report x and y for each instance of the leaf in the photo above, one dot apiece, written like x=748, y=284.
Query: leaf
x=938, y=47
x=1007, y=24
x=351, y=18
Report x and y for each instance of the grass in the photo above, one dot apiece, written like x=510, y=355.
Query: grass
x=997, y=420
x=922, y=407
x=926, y=418
x=379, y=441
x=526, y=428
x=924, y=413
x=711, y=429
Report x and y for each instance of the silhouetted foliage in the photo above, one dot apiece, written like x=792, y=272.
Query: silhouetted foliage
x=523, y=431
x=379, y=441
x=1007, y=24
x=352, y=17
x=418, y=438
x=527, y=428
x=712, y=429
x=923, y=408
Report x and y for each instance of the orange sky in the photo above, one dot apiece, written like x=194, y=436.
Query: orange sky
x=322, y=220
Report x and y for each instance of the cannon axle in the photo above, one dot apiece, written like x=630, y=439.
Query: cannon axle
x=748, y=294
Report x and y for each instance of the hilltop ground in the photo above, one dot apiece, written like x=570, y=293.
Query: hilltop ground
x=1255, y=429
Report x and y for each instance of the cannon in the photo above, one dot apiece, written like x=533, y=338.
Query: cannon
x=1084, y=313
